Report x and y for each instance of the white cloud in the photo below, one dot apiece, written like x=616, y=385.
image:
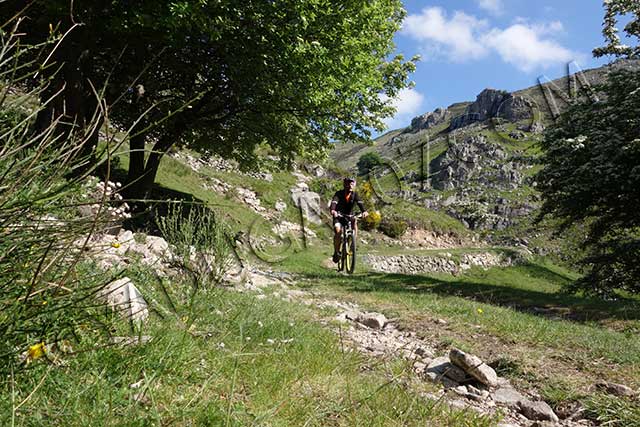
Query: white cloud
x=457, y=36
x=527, y=46
x=548, y=28
x=408, y=104
x=493, y=6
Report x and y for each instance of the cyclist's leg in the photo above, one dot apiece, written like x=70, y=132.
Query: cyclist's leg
x=337, y=237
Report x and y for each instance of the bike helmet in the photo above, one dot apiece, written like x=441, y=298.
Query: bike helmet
x=348, y=179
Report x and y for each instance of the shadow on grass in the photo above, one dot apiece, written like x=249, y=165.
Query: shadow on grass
x=550, y=304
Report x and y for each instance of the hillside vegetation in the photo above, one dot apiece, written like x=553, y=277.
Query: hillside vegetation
x=213, y=299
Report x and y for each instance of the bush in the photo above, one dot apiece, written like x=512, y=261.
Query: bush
x=367, y=162
x=201, y=243
x=372, y=221
x=48, y=291
x=393, y=226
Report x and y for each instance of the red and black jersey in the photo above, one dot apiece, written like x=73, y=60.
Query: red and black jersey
x=343, y=202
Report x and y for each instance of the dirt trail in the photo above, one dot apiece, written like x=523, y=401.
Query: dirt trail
x=385, y=339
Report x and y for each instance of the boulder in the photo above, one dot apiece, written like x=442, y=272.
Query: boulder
x=442, y=367
x=122, y=296
x=615, y=389
x=537, y=411
x=475, y=367
x=309, y=202
x=372, y=320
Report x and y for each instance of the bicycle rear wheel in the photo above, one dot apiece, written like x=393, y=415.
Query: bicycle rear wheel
x=349, y=251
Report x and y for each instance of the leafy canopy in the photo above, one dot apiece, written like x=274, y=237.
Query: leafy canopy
x=591, y=172
x=225, y=76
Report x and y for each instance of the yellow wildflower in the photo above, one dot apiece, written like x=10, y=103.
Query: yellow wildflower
x=115, y=245
x=480, y=311
x=36, y=351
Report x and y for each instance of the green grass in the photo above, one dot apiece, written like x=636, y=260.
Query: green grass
x=428, y=219
x=228, y=359
x=175, y=180
x=520, y=310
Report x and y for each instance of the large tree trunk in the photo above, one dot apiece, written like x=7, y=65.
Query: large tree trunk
x=136, y=160
x=72, y=106
x=141, y=179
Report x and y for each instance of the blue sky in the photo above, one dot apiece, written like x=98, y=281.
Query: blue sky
x=468, y=45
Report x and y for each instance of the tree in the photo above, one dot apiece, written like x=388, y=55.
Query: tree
x=226, y=76
x=614, y=46
x=591, y=172
x=368, y=162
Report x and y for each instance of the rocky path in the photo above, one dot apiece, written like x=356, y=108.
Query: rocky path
x=462, y=380
x=466, y=381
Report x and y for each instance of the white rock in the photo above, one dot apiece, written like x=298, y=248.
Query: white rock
x=539, y=411
x=281, y=206
x=125, y=236
x=508, y=396
x=309, y=203
x=124, y=297
x=615, y=389
x=442, y=367
x=474, y=367
x=157, y=245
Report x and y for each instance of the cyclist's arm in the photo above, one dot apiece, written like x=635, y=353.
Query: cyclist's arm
x=360, y=204
x=334, y=205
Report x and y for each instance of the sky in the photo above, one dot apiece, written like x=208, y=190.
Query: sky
x=469, y=45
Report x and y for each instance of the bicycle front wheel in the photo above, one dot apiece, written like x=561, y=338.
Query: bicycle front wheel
x=350, y=254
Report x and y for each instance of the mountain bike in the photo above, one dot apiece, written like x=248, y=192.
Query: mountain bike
x=347, y=259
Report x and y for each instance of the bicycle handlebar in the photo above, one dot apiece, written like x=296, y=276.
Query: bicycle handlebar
x=349, y=216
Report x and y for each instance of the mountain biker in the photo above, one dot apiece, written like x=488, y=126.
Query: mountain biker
x=342, y=204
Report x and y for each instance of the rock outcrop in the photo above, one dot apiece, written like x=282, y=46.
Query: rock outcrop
x=492, y=103
x=477, y=160
x=428, y=120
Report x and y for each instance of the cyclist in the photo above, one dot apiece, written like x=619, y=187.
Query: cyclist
x=342, y=204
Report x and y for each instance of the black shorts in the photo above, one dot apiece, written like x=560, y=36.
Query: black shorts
x=343, y=221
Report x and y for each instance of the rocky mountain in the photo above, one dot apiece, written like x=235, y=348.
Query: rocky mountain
x=476, y=161
x=492, y=103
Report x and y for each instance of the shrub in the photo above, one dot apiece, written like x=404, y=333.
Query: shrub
x=201, y=243
x=47, y=294
x=393, y=226
x=367, y=162
x=372, y=221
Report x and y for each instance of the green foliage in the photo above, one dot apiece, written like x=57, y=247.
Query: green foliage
x=201, y=243
x=613, y=10
x=591, y=176
x=591, y=173
x=227, y=76
x=612, y=411
x=368, y=162
x=371, y=221
x=393, y=226
x=366, y=193
x=47, y=296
